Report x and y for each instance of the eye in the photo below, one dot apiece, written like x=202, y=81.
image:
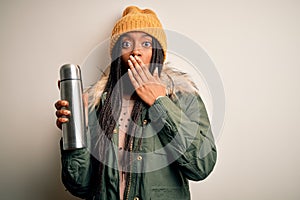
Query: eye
x=147, y=44
x=126, y=44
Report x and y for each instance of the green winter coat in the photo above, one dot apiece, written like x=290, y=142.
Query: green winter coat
x=177, y=146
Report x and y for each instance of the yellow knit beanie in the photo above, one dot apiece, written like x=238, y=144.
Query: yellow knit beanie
x=135, y=19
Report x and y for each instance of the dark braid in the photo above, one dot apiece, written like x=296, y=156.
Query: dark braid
x=105, y=113
x=111, y=107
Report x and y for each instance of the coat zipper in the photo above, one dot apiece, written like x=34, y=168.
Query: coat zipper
x=129, y=178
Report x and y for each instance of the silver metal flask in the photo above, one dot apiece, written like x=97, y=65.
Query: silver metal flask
x=73, y=131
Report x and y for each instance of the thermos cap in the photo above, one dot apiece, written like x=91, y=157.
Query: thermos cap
x=70, y=71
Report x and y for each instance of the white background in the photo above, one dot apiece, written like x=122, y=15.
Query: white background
x=254, y=44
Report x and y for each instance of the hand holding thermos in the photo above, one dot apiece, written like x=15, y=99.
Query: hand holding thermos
x=71, y=110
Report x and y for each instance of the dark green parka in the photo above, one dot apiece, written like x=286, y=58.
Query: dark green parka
x=177, y=146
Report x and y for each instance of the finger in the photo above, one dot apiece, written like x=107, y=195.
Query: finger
x=61, y=103
x=143, y=67
x=140, y=62
x=138, y=68
x=133, y=60
x=60, y=121
x=134, y=73
x=132, y=79
x=62, y=113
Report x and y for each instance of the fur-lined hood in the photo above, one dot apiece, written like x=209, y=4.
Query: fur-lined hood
x=174, y=80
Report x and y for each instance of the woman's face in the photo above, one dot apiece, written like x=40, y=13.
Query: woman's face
x=137, y=44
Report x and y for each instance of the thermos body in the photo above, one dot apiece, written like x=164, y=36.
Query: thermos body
x=73, y=131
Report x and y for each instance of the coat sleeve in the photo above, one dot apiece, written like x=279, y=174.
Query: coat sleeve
x=186, y=134
x=76, y=171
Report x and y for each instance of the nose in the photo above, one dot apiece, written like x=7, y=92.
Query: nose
x=136, y=51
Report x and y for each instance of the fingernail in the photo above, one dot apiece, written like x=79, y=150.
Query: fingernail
x=64, y=119
x=67, y=112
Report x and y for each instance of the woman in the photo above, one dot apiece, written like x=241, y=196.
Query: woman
x=149, y=131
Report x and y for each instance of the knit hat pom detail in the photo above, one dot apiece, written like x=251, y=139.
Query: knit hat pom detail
x=134, y=10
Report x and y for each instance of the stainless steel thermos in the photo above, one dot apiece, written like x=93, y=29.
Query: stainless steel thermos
x=73, y=131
